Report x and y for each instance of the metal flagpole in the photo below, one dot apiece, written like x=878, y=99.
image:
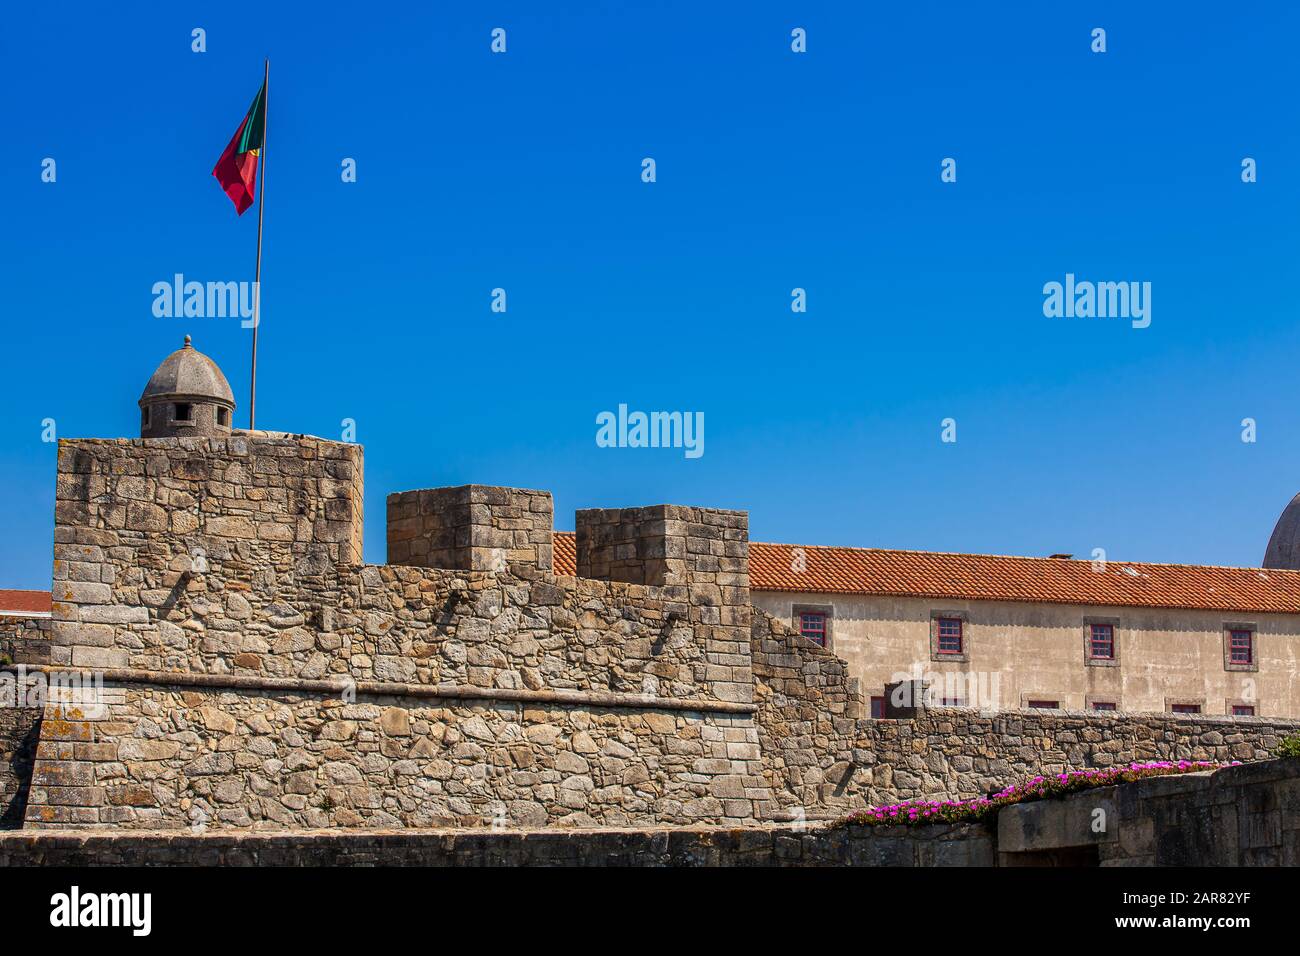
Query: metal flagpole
x=257, y=278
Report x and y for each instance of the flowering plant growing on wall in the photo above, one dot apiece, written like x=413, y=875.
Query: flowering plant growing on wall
x=918, y=813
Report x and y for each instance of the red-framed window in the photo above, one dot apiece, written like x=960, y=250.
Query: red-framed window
x=812, y=625
x=1241, y=646
x=1243, y=710
x=1186, y=708
x=1044, y=705
x=877, y=707
x=950, y=636
x=1104, y=705
x=1101, y=642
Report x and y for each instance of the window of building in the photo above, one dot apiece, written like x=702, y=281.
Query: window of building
x=877, y=707
x=223, y=416
x=1241, y=646
x=1104, y=705
x=812, y=625
x=183, y=412
x=816, y=622
x=144, y=417
x=950, y=636
x=1185, y=708
x=1044, y=705
x=1101, y=642
x=1243, y=710
x=951, y=702
x=947, y=635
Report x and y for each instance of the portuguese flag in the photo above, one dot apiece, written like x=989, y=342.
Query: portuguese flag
x=236, y=170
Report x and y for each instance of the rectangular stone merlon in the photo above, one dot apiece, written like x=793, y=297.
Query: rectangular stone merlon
x=666, y=545
x=242, y=496
x=701, y=552
x=472, y=528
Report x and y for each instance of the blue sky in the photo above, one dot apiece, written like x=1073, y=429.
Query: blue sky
x=775, y=170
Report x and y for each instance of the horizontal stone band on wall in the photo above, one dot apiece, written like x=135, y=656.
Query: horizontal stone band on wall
x=578, y=698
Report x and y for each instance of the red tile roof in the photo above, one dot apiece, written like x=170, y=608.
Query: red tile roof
x=973, y=577
x=988, y=577
x=566, y=553
x=24, y=602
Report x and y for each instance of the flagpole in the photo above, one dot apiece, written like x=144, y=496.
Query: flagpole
x=257, y=278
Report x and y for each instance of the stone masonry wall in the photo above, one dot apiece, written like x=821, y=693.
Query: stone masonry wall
x=809, y=723
x=138, y=523
x=962, y=753
x=472, y=528
x=408, y=631
x=700, y=556
x=163, y=758
x=1238, y=816
x=405, y=631
x=24, y=640
x=286, y=607
x=428, y=626
x=277, y=622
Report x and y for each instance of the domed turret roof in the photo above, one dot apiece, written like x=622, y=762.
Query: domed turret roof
x=188, y=372
x=1284, y=544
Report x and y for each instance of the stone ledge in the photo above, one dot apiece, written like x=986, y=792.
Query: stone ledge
x=655, y=846
x=368, y=688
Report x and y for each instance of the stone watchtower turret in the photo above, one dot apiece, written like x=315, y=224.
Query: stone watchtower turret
x=186, y=397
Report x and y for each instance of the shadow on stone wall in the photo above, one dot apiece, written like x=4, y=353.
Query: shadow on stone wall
x=20, y=729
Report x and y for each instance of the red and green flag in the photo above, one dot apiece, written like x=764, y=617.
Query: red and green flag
x=236, y=170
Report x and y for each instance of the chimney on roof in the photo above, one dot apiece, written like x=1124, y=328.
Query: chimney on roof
x=1062, y=556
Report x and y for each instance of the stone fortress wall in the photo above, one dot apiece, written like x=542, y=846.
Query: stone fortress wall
x=258, y=675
